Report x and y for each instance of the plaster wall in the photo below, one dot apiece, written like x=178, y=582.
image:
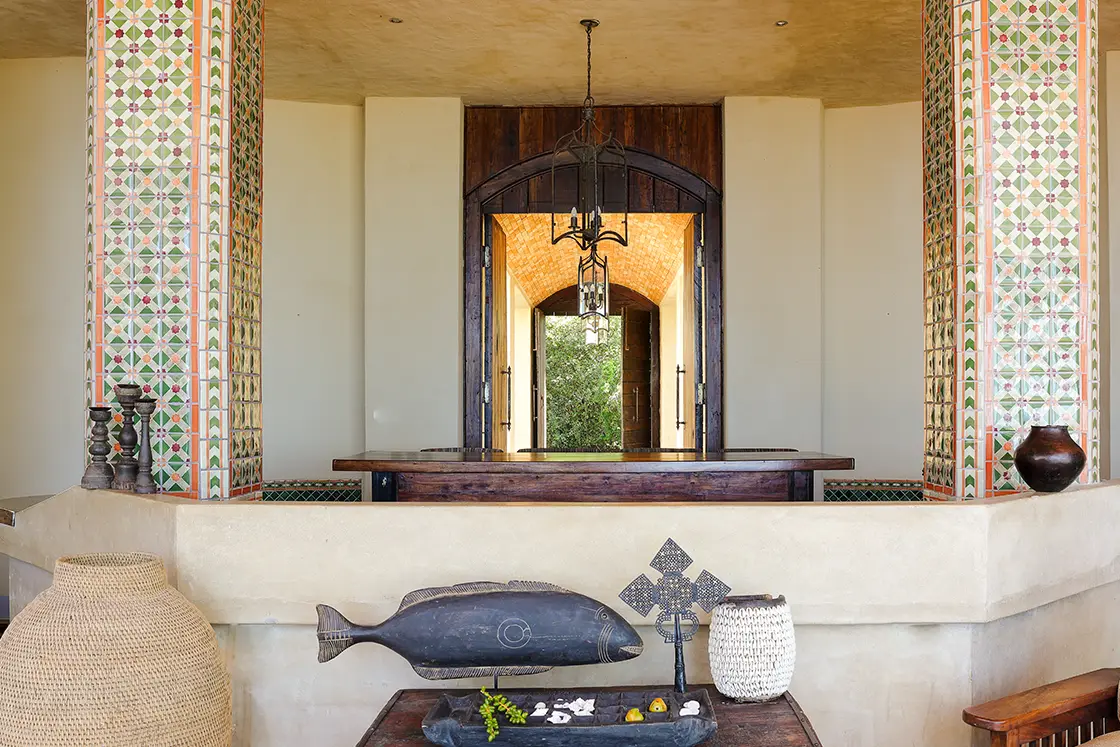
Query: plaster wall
x=314, y=215
x=773, y=195
x=861, y=686
x=872, y=289
x=413, y=272
x=42, y=276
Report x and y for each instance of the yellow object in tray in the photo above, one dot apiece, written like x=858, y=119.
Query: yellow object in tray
x=658, y=706
x=634, y=715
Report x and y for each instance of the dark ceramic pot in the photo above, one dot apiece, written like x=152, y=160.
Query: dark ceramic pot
x=1049, y=460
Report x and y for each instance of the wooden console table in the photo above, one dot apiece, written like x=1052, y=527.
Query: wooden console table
x=779, y=723
x=593, y=477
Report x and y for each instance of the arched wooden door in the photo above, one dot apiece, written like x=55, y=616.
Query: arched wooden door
x=656, y=185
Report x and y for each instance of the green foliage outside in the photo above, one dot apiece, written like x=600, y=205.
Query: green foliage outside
x=584, y=385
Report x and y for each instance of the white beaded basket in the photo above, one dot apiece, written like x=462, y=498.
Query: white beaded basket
x=751, y=647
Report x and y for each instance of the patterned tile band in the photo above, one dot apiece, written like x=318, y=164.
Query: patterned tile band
x=173, y=230
x=335, y=491
x=851, y=491
x=1011, y=238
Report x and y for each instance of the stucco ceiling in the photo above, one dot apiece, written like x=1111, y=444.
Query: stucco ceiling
x=648, y=264
x=846, y=52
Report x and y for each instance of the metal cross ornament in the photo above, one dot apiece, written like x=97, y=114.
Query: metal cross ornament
x=674, y=593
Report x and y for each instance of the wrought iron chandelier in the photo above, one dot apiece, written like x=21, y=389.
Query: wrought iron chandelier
x=598, y=159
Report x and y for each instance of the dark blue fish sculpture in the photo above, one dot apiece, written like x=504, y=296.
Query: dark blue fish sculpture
x=484, y=628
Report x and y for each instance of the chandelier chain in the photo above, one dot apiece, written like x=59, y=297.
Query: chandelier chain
x=589, y=101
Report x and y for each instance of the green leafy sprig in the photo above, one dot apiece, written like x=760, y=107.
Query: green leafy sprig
x=491, y=706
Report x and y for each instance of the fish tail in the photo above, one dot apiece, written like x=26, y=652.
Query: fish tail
x=335, y=633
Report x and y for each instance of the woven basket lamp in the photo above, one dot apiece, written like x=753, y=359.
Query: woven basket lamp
x=751, y=648
x=111, y=654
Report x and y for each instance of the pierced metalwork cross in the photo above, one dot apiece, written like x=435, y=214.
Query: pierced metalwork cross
x=674, y=593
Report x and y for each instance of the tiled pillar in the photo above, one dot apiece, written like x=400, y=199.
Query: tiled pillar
x=174, y=230
x=1011, y=236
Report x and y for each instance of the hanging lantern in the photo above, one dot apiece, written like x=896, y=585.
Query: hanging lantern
x=599, y=160
x=593, y=283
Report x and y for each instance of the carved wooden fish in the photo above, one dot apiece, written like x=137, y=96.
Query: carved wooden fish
x=484, y=628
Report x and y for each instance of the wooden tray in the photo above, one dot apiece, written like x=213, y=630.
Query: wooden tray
x=454, y=721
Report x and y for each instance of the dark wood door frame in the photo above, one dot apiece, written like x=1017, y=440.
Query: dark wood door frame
x=639, y=162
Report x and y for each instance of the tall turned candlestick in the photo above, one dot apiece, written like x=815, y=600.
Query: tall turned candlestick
x=125, y=479
x=145, y=406
x=99, y=473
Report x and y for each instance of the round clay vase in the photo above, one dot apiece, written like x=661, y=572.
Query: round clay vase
x=751, y=648
x=1049, y=460
x=111, y=654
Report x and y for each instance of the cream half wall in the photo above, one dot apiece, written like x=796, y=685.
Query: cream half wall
x=413, y=272
x=888, y=652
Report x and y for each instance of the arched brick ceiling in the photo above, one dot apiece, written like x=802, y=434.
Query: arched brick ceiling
x=647, y=265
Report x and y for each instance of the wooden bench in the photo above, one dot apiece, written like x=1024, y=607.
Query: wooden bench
x=1072, y=711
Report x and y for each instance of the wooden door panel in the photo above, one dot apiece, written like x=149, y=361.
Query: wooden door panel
x=500, y=368
x=687, y=378
x=539, y=375
x=637, y=368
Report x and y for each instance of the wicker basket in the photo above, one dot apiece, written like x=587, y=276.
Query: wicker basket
x=751, y=648
x=110, y=654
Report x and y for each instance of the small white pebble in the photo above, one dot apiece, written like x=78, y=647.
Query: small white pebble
x=691, y=704
x=581, y=707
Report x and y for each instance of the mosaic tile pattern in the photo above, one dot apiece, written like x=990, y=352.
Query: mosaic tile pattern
x=245, y=258
x=864, y=491
x=1012, y=312
x=939, y=231
x=159, y=206
x=336, y=491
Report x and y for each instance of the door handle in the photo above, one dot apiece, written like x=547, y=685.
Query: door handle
x=508, y=422
x=680, y=373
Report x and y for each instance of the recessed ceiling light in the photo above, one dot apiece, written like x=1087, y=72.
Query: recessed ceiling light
x=779, y=24
x=396, y=20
